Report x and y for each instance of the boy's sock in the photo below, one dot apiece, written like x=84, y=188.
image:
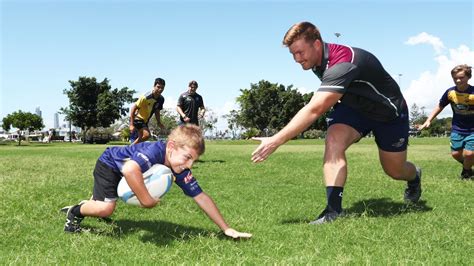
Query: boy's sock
x=334, y=197
x=76, y=210
x=466, y=173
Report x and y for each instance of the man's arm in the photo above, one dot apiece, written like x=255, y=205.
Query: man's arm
x=209, y=207
x=133, y=110
x=202, y=112
x=182, y=114
x=158, y=119
x=321, y=102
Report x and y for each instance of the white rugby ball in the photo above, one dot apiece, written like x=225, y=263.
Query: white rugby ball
x=158, y=180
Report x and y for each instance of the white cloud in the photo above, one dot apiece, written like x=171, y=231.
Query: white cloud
x=430, y=85
x=304, y=90
x=424, y=37
x=170, y=103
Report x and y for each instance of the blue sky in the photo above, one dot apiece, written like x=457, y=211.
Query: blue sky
x=224, y=45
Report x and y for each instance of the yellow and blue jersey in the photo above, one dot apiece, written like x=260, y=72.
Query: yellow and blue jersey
x=462, y=104
x=147, y=105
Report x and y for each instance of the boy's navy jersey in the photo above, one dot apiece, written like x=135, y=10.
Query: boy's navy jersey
x=147, y=154
x=359, y=75
x=462, y=103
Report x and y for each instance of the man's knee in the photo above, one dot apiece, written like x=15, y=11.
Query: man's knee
x=145, y=134
x=395, y=173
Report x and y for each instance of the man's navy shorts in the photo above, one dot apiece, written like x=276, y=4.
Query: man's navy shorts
x=391, y=136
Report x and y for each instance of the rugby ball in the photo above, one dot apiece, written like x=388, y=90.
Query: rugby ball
x=158, y=180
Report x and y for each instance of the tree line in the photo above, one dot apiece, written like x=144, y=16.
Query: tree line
x=265, y=108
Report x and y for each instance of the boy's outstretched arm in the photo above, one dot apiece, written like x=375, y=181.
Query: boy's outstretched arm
x=209, y=207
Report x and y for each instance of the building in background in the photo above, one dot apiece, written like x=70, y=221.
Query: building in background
x=56, y=120
x=38, y=112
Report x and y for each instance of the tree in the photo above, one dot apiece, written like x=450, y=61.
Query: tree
x=233, y=123
x=93, y=104
x=22, y=121
x=268, y=106
x=208, y=123
x=417, y=115
x=168, y=119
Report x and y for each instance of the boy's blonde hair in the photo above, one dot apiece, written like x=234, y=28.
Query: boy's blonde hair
x=305, y=30
x=462, y=68
x=188, y=135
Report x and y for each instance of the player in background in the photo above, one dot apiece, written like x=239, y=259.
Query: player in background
x=190, y=105
x=143, y=109
x=461, y=99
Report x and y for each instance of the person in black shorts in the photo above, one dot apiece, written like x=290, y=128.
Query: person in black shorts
x=143, y=109
x=184, y=146
x=365, y=99
x=461, y=99
x=190, y=105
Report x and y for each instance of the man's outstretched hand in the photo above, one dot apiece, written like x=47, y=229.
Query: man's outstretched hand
x=267, y=146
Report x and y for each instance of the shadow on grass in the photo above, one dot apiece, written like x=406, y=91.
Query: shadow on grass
x=156, y=232
x=382, y=207
x=210, y=161
x=385, y=207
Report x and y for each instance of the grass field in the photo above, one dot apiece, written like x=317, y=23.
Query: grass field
x=273, y=201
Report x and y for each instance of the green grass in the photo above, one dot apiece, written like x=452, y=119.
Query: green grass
x=273, y=200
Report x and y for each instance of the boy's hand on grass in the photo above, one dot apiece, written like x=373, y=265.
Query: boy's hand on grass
x=236, y=234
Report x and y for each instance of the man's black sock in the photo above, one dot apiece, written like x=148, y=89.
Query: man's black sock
x=334, y=197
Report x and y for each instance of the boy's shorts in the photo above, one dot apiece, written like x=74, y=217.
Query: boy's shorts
x=139, y=124
x=106, y=181
x=462, y=141
x=391, y=136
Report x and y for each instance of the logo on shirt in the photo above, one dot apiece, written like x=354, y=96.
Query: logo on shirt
x=188, y=178
x=145, y=158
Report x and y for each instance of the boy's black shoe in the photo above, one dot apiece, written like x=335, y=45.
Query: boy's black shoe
x=73, y=222
x=466, y=174
x=413, y=191
x=328, y=215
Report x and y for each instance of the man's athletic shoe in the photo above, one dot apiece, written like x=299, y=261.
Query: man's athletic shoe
x=73, y=222
x=466, y=174
x=328, y=215
x=413, y=191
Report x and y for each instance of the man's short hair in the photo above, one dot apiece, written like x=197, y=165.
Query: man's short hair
x=305, y=30
x=193, y=83
x=159, y=81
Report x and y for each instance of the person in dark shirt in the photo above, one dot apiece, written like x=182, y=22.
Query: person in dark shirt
x=365, y=98
x=190, y=105
x=184, y=146
x=461, y=99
